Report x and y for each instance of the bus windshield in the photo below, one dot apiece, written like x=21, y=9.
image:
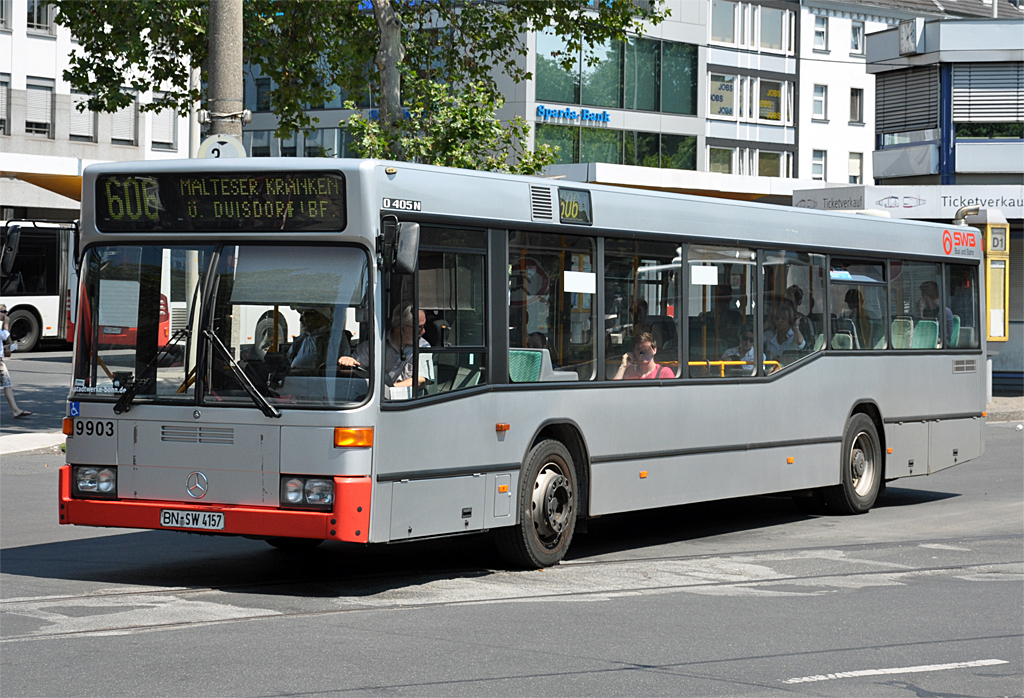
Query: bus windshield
x=163, y=322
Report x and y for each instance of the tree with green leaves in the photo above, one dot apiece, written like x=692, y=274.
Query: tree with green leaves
x=389, y=49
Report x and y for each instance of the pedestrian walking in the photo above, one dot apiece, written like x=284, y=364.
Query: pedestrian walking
x=5, y=375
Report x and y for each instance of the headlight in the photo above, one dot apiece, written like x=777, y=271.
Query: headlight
x=94, y=482
x=307, y=492
x=291, y=492
x=319, y=492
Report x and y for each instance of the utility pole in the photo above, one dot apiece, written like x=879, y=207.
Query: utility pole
x=224, y=98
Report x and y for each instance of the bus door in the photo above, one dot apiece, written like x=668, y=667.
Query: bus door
x=67, y=280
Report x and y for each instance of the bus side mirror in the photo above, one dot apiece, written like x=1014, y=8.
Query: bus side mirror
x=407, y=248
x=10, y=250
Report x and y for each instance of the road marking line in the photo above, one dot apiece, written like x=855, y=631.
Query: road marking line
x=897, y=670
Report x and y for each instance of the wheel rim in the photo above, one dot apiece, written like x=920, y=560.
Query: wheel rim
x=862, y=464
x=20, y=329
x=552, y=505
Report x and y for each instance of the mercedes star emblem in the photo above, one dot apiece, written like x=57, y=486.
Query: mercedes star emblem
x=196, y=485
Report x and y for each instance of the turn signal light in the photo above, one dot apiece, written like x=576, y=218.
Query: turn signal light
x=643, y=474
x=984, y=414
x=790, y=460
x=69, y=425
x=502, y=426
x=353, y=438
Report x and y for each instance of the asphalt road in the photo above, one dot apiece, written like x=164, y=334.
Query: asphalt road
x=921, y=597
x=41, y=380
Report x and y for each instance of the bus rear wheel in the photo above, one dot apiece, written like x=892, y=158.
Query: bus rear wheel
x=546, y=509
x=861, y=464
x=25, y=329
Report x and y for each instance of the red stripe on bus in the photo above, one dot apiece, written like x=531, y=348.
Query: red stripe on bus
x=241, y=520
x=352, y=509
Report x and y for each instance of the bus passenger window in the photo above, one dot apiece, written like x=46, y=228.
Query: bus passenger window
x=452, y=303
x=641, y=294
x=721, y=312
x=794, y=293
x=857, y=305
x=919, y=319
x=552, y=285
x=963, y=301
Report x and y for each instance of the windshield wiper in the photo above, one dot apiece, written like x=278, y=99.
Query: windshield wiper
x=260, y=401
x=124, y=403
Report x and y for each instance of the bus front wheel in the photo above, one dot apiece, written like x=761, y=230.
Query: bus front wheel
x=25, y=329
x=546, y=509
x=861, y=464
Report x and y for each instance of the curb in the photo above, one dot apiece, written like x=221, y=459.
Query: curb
x=19, y=443
x=1005, y=416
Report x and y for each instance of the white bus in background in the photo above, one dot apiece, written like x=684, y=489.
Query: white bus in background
x=37, y=289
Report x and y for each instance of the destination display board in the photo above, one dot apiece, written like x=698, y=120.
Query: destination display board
x=574, y=206
x=310, y=201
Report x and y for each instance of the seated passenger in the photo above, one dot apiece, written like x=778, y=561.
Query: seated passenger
x=743, y=352
x=786, y=335
x=928, y=308
x=398, y=348
x=639, y=364
x=309, y=350
x=536, y=340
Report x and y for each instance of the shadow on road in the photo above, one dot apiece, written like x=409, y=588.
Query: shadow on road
x=165, y=558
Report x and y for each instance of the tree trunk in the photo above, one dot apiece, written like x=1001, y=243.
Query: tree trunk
x=389, y=54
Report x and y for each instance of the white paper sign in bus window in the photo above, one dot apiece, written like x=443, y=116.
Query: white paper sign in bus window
x=579, y=282
x=704, y=276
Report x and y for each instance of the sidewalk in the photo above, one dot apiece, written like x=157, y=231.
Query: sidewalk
x=1006, y=409
x=18, y=443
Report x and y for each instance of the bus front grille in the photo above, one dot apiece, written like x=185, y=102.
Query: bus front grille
x=178, y=433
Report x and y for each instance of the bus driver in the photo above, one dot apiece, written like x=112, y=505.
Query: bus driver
x=397, y=348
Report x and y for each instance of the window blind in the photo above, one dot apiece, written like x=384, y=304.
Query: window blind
x=163, y=127
x=82, y=123
x=988, y=92
x=39, y=104
x=907, y=100
x=123, y=124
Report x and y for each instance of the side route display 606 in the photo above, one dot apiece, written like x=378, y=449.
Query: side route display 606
x=282, y=201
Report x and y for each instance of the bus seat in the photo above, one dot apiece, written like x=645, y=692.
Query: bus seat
x=954, y=338
x=880, y=342
x=902, y=333
x=663, y=328
x=819, y=342
x=842, y=340
x=846, y=326
x=967, y=338
x=926, y=335
x=524, y=365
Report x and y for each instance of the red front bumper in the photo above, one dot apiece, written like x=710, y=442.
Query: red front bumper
x=349, y=521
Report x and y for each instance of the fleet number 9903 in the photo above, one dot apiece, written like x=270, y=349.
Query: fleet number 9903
x=87, y=427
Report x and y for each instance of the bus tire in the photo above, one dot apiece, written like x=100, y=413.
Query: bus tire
x=546, y=509
x=25, y=329
x=861, y=464
x=265, y=334
x=294, y=544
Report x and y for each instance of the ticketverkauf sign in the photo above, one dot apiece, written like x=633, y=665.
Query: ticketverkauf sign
x=918, y=202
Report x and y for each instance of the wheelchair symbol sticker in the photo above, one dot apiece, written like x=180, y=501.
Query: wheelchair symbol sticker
x=74, y=409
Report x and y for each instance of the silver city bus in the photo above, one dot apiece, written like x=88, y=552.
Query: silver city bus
x=479, y=352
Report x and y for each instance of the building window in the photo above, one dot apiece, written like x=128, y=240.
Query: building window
x=600, y=145
x=124, y=124
x=5, y=14
x=722, y=96
x=165, y=123
x=856, y=168
x=5, y=101
x=678, y=152
x=820, y=112
x=856, y=105
x=555, y=83
x=40, y=17
x=678, y=78
x=39, y=108
x=723, y=21
x=821, y=33
x=566, y=138
x=642, y=68
x=773, y=29
x=290, y=147
x=770, y=102
x=770, y=164
x=720, y=160
x=258, y=143
x=601, y=84
x=641, y=149
x=818, y=165
x=83, y=122
x=857, y=38
x=263, y=94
